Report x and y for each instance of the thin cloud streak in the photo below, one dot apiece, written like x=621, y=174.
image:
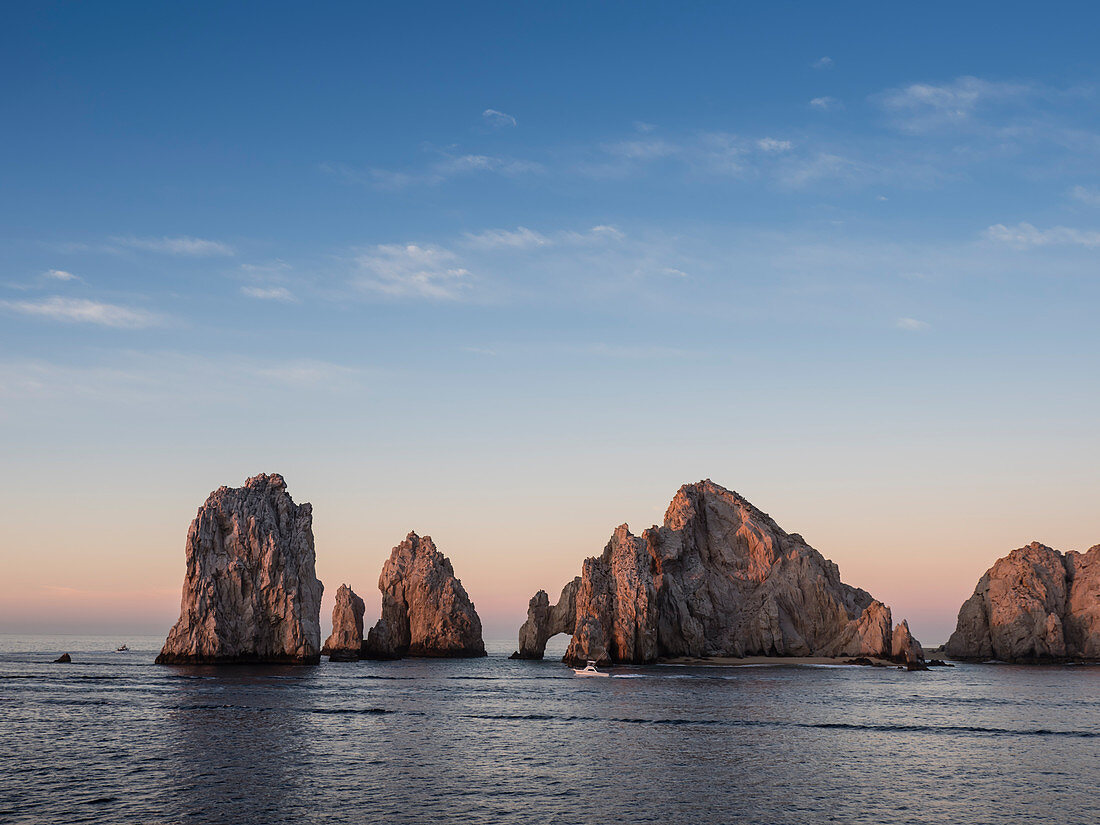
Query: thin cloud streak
x=183, y=245
x=79, y=310
x=1024, y=236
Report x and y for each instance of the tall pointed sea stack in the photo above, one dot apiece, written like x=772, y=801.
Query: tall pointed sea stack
x=718, y=578
x=345, y=644
x=425, y=609
x=251, y=593
x=1033, y=605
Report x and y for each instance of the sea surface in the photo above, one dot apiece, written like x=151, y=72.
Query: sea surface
x=113, y=738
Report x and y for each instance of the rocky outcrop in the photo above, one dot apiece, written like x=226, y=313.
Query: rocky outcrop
x=718, y=578
x=250, y=593
x=345, y=644
x=1033, y=605
x=545, y=621
x=425, y=609
x=63, y=659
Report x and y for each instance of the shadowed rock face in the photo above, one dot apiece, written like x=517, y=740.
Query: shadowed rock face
x=718, y=578
x=425, y=609
x=1033, y=605
x=345, y=644
x=251, y=593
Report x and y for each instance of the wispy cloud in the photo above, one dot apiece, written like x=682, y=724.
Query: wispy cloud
x=183, y=245
x=519, y=238
x=769, y=144
x=911, y=324
x=60, y=275
x=825, y=103
x=77, y=310
x=307, y=372
x=494, y=117
x=648, y=149
x=1085, y=195
x=823, y=63
x=439, y=171
x=523, y=238
x=166, y=377
x=270, y=293
x=1024, y=235
x=412, y=271
x=923, y=107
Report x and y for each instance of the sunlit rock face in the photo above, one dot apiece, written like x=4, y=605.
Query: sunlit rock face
x=345, y=644
x=1033, y=605
x=718, y=578
x=425, y=609
x=251, y=593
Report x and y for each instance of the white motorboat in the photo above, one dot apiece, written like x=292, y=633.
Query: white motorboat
x=121, y=649
x=589, y=670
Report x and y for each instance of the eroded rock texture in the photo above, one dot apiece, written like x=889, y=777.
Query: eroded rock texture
x=425, y=609
x=251, y=593
x=345, y=644
x=718, y=578
x=1033, y=605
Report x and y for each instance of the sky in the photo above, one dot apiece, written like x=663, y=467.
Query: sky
x=510, y=274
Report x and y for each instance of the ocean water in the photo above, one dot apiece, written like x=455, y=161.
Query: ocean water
x=113, y=738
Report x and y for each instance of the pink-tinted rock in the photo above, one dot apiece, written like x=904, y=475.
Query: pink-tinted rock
x=718, y=578
x=345, y=644
x=425, y=609
x=250, y=593
x=1033, y=605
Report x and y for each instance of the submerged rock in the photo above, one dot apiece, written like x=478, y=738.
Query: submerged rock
x=1033, y=605
x=345, y=644
x=718, y=578
x=250, y=593
x=425, y=609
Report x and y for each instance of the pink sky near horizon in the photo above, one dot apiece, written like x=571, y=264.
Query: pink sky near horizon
x=115, y=565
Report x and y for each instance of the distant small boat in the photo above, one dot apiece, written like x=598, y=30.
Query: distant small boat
x=121, y=649
x=589, y=670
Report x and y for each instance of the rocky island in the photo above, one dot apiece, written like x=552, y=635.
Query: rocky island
x=425, y=609
x=250, y=593
x=1034, y=605
x=718, y=579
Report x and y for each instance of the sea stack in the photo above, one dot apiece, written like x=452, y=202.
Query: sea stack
x=718, y=578
x=251, y=593
x=346, y=642
x=1034, y=605
x=425, y=609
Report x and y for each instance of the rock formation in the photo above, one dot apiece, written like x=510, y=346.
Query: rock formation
x=250, y=593
x=425, y=610
x=63, y=659
x=1033, y=605
x=718, y=578
x=346, y=642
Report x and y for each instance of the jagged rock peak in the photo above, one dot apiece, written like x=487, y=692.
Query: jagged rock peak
x=718, y=578
x=1033, y=605
x=425, y=609
x=250, y=592
x=345, y=644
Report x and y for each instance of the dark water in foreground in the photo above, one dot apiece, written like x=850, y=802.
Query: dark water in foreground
x=114, y=738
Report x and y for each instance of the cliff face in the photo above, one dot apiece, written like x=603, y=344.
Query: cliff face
x=251, y=593
x=425, y=609
x=718, y=578
x=1033, y=605
x=345, y=644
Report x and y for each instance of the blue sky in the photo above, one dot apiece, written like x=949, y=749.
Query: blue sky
x=523, y=269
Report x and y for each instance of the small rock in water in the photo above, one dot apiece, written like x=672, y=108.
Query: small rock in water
x=64, y=658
